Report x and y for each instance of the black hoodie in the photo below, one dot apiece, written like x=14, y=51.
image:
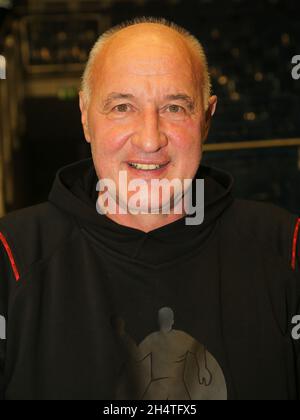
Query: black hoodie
x=96, y=310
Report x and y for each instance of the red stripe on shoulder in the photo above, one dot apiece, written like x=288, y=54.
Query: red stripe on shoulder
x=295, y=241
x=10, y=256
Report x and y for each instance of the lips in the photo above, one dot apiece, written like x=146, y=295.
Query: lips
x=147, y=166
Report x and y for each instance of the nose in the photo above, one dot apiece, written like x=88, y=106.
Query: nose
x=149, y=137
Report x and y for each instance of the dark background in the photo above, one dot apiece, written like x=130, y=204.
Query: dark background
x=249, y=45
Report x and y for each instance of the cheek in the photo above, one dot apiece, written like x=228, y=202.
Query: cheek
x=186, y=145
x=186, y=138
x=107, y=135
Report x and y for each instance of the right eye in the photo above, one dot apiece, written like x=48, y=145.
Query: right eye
x=122, y=108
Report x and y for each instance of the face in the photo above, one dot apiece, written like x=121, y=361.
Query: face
x=146, y=108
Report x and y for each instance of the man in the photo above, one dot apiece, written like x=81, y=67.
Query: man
x=169, y=364
x=67, y=271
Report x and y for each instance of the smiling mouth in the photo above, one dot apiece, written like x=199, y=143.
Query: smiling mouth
x=147, y=167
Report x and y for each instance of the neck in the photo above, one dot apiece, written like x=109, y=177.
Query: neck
x=145, y=222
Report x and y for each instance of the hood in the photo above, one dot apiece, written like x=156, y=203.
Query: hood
x=74, y=192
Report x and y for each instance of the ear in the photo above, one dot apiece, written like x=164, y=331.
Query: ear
x=212, y=106
x=84, y=116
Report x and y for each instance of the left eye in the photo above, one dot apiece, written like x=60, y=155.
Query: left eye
x=175, y=109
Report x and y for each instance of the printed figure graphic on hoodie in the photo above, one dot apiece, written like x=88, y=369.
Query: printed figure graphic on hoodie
x=168, y=362
x=70, y=278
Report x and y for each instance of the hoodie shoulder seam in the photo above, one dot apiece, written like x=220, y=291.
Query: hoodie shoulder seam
x=16, y=240
x=10, y=256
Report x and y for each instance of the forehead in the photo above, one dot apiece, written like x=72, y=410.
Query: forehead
x=147, y=58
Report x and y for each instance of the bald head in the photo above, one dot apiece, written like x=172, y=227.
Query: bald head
x=148, y=42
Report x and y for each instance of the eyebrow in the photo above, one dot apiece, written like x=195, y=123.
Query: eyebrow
x=114, y=96
x=175, y=97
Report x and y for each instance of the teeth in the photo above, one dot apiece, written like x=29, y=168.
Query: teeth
x=145, y=167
